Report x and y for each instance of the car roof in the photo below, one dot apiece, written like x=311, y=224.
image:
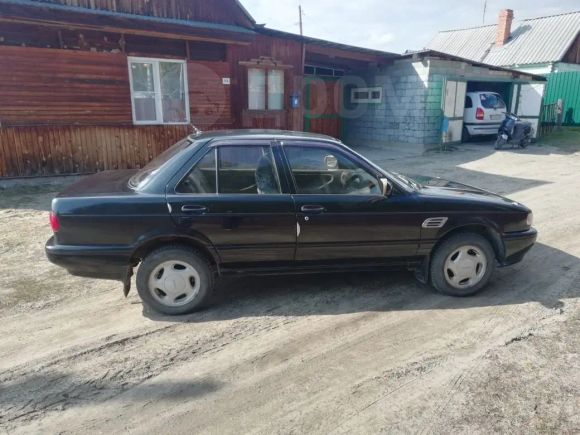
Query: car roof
x=259, y=134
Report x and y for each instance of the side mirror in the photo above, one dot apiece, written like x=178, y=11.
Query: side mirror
x=386, y=187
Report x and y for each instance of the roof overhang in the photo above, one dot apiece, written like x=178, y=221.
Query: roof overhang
x=72, y=17
x=419, y=55
x=333, y=50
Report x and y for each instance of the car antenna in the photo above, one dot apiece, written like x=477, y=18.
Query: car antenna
x=196, y=131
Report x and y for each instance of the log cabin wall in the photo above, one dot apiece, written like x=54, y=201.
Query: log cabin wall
x=68, y=111
x=65, y=97
x=285, y=53
x=213, y=11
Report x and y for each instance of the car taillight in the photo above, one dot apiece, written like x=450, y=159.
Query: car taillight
x=480, y=114
x=54, y=223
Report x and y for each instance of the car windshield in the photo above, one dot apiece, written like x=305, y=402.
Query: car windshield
x=492, y=101
x=408, y=181
x=144, y=175
x=412, y=184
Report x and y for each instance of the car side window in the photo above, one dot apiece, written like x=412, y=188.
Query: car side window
x=247, y=170
x=324, y=171
x=468, y=102
x=202, y=178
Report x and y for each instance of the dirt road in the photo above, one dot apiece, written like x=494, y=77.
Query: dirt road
x=360, y=353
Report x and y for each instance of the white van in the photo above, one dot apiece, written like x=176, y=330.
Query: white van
x=483, y=115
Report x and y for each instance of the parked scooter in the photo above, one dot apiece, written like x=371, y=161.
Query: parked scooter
x=515, y=131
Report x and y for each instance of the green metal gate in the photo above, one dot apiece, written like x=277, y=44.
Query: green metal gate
x=565, y=86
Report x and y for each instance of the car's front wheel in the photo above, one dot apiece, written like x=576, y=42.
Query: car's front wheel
x=500, y=142
x=175, y=280
x=462, y=265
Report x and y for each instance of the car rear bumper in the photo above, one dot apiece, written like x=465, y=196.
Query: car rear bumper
x=483, y=129
x=101, y=262
x=517, y=245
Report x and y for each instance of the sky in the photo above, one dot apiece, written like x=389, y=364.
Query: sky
x=391, y=25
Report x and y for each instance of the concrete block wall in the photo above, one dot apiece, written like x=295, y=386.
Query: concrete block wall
x=410, y=113
x=403, y=115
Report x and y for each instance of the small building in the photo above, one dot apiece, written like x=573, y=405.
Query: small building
x=548, y=46
x=424, y=97
x=92, y=85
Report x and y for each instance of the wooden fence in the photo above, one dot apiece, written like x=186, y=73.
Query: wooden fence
x=57, y=150
x=548, y=118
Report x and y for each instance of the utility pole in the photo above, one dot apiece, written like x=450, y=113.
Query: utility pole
x=484, y=10
x=300, y=13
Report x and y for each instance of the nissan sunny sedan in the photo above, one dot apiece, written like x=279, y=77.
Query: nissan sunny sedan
x=273, y=202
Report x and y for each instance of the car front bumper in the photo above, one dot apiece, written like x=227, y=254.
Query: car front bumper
x=101, y=262
x=517, y=245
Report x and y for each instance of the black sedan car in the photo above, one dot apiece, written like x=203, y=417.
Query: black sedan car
x=260, y=202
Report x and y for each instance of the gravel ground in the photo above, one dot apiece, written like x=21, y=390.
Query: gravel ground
x=356, y=353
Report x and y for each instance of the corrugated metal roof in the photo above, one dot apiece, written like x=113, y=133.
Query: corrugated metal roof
x=428, y=53
x=471, y=43
x=537, y=40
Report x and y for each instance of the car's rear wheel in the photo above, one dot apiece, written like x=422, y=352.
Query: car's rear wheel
x=462, y=265
x=465, y=136
x=175, y=280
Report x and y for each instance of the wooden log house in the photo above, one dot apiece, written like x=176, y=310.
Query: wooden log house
x=92, y=85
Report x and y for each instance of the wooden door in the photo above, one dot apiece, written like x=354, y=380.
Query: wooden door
x=527, y=103
x=453, y=108
x=322, y=103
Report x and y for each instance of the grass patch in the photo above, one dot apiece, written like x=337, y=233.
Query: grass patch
x=566, y=138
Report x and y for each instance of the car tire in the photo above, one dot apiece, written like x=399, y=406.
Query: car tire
x=462, y=265
x=175, y=280
x=465, y=136
x=499, y=143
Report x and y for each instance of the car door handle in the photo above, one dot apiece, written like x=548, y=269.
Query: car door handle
x=312, y=209
x=194, y=209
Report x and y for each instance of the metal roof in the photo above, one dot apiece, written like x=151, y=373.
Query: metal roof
x=534, y=41
x=471, y=43
x=447, y=56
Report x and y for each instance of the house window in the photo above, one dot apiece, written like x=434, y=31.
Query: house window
x=265, y=89
x=159, y=92
x=367, y=95
x=312, y=70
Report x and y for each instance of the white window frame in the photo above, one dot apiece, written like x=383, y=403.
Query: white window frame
x=267, y=89
x=369, y=98
x=157, y=84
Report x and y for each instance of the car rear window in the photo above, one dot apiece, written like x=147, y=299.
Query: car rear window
x=144, y=175
x=492, y=101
